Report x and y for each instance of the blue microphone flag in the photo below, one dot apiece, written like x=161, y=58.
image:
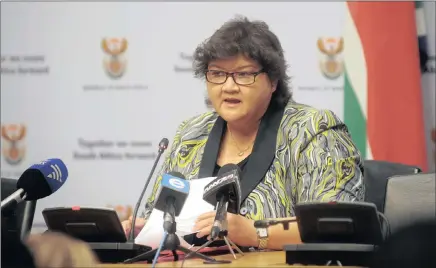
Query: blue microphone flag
x=175, y=187
x=54, y=171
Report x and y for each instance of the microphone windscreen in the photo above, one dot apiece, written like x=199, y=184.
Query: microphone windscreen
x=228, y=168
x=163, y=144
x=226, y=183
x=175, y=187
x=43, y=179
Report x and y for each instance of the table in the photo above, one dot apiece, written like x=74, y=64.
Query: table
x=250, y=259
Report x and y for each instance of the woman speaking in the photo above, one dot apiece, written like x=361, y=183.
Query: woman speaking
x=287, y=152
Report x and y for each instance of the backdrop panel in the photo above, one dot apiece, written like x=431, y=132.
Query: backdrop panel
x=99, y=84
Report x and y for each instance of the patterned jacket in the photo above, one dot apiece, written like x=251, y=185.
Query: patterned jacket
x=300, y=154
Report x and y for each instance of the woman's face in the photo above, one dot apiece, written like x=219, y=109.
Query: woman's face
x=242, y=100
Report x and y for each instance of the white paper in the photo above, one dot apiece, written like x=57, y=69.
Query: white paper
x=152, y=233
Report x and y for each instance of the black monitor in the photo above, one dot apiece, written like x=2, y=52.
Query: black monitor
x=86, y=223
x=339, y=222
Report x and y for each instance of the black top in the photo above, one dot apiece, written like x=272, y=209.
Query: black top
x=241, y=165
x=192, y=239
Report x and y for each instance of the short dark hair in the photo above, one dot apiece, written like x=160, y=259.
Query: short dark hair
x=252, y=38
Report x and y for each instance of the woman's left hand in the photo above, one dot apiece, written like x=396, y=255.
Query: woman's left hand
x=240, y=229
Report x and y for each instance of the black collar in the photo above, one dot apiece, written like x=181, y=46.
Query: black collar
x=261, y=157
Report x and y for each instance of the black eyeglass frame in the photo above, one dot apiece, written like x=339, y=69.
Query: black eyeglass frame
x=232, y=74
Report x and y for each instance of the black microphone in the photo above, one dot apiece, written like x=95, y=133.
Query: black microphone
x=38, y=181
x=224, y=193
x=172, y=194
x=163, y=145
x=269, y=222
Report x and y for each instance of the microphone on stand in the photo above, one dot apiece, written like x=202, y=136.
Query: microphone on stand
x=172, y=195
x=163, y=145
x=170, y=198
x=270, y=222
x=38, y=181
x=224, y=193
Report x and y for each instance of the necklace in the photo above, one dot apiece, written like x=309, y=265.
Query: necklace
x=241, y=152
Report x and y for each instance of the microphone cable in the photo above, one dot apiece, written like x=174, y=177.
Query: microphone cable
x=385, y=226
x=162, y=243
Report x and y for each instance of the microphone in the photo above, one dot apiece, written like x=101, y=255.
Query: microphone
x=269, y=222
x=163, y=145
x=38, y=181
x=224, y=193
x=172, y=195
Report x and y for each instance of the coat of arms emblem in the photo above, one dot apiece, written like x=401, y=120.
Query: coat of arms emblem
x=331, y=64
x=13, y=148
x=114, y=62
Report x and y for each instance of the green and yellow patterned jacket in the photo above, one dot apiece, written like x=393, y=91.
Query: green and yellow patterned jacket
x=300, y=154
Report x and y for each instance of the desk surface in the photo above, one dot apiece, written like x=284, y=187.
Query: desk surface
x=250, y=259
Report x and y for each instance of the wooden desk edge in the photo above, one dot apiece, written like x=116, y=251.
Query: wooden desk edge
x=250, y=259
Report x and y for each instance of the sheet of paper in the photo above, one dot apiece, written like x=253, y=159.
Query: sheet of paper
x=152, y=233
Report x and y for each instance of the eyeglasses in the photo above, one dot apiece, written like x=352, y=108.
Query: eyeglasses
x=240, y=78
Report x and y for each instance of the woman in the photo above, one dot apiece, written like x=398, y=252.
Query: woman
x=288, y=152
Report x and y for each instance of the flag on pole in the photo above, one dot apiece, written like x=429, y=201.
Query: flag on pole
x=382, y=89
x=422, y=35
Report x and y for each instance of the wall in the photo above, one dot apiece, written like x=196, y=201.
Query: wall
x=63, y=96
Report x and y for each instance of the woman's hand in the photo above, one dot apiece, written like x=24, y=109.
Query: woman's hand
x=127, y=225
x=240, y=229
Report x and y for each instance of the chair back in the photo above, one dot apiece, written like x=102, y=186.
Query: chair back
x=17, y=220
x=376, y=174
x=410, y=199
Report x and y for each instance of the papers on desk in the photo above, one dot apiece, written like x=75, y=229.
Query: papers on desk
x=152, y=233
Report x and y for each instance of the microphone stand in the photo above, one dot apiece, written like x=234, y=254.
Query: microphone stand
x=221, y=235
x=26, y=223
x=172, y=241
x=163, y=145
x=17, y=197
